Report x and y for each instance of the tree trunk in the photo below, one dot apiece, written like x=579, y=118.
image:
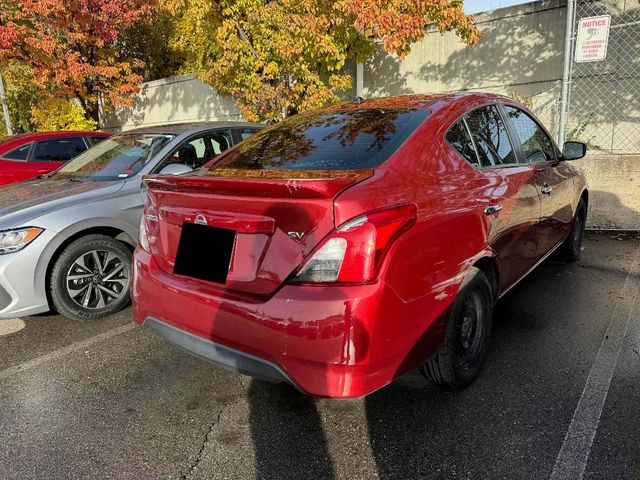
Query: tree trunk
x=91, y=109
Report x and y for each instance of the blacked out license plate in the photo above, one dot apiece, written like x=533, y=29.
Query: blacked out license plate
x=204, y=252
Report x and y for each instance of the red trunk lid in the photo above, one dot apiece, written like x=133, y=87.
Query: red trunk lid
x=278, y=216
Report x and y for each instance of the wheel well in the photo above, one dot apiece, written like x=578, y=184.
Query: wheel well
x=490, y=269
x=112, y=232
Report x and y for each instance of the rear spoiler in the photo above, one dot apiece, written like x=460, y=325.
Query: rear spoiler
x=261, y=183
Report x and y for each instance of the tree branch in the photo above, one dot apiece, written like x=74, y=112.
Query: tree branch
x=245, y=38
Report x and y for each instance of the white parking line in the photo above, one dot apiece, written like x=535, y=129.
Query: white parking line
x=574, y=454
x=65, y=350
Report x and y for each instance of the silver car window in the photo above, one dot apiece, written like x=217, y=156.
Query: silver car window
x=120, y=156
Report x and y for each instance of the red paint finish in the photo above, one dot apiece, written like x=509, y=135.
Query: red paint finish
x=12, y=170
x=347, y=339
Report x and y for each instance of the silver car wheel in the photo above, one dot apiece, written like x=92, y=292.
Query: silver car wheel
x=96, y=279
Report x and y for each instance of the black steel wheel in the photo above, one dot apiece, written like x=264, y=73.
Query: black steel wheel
x=461, y=356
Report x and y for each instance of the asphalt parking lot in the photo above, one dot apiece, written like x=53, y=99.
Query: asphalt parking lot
x=559, y=397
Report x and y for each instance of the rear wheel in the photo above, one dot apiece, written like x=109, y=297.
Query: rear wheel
x=91, y=278
x=461, y=356
x=572, y=246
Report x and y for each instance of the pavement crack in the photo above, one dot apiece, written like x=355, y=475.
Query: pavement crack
x=196, y=462
x=194, y=466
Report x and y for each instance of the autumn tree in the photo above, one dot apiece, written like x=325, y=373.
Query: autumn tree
x=22, y=94
x=280, y=57
x=148, y=41
x=32, y=108
x=73, y=47
x=55, y=114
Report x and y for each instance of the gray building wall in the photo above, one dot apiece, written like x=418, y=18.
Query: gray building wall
x=520, y=55
x=180, y=99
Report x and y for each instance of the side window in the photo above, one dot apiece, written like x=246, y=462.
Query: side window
x=490, y=137
x=20, y=153
x=220, y=141
x=198, y=151
x=58, y=149
x=193, y=153
x=200, y=146
x=458, y=137
x=247, y=132
x=536, y=145
x=97, y=139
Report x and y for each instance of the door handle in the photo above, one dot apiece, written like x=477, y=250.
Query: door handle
x=492, y=209
x=546, y=189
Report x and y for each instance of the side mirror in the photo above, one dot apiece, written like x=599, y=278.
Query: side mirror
x=175, y=169
x=574, y=150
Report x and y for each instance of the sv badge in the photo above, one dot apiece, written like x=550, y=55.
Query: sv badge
x=296, y=235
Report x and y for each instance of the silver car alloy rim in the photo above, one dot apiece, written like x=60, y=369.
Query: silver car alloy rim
x=96, y=279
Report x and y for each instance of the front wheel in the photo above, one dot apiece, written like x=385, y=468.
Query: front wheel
x=461, y=356
x=572, y=246
x=91, y=278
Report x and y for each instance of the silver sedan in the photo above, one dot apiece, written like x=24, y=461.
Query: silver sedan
x=66, y=238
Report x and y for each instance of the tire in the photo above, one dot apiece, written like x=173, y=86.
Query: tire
x=572, y=246
x=460, y=358
x=101, y=271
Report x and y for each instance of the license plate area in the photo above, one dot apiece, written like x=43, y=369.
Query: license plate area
x=204, y=252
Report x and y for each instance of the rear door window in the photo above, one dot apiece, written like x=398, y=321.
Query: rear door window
x=58, y=149
x=458, y=137
x=490, y=137
x=334, y=140
x=20, y=153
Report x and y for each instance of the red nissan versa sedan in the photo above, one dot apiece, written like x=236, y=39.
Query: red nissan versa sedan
x=32, y=154
x=340, y=248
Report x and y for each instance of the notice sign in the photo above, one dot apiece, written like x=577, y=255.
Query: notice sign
x=592, y=39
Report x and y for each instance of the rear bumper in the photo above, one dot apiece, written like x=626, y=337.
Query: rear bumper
x=218, y=354
x=332, y=341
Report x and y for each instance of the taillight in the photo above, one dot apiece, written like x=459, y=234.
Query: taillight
x=148, y=232
x=143, y=241
x=354, y=251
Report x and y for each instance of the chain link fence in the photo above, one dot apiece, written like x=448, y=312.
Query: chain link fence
x=604, y=96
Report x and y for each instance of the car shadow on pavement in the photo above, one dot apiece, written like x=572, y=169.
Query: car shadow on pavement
x=287, y=433
x=414, y=428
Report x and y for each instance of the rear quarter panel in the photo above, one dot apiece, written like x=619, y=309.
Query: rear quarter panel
x=427, y=264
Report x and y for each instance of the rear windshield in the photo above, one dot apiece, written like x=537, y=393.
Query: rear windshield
x=338, y=140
